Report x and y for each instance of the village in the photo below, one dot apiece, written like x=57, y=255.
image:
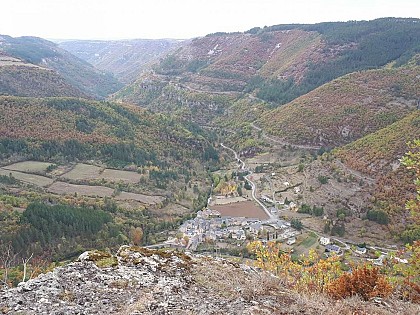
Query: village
x=231, y=220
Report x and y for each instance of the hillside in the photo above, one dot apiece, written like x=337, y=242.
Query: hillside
x=88, y=174
x=25, y=79
x=76, y=72
x=143, y=281
x=125, y=59
x=378, y=155
x=90, y=124
x=275, y=64
x=347, y=108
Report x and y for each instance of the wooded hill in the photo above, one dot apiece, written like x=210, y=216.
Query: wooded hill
x=43, y=128
x=274, y=64
x=25, y=79
x=347, y=108
x=76, y=72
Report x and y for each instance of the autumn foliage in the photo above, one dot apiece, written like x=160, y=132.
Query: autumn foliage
x=364, y=281
x=309, y=274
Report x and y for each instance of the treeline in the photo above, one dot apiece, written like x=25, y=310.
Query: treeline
x=60, y=230
x=59, y=221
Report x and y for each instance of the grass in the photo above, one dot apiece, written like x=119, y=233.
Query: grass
x=28, y=166
x=36, y=180
x=309, y=241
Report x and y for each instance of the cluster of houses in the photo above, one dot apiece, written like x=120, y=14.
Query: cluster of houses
x=208, y=225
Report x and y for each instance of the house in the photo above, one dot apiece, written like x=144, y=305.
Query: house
x=287, y=184
x=291, y=241
x=333, y=249
x=293, y=206
x=240, y=235
x=255, y=228
x=324, y=241
x=297, y=190
x=266, y=199
x=360, y=250
x=214, y=214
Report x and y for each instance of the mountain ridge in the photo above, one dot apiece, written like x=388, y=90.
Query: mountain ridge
x=76, y=72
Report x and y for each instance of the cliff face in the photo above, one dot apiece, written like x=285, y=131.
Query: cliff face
x=142, y=281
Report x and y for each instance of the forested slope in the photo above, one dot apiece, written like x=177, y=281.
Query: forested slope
x=73, y=70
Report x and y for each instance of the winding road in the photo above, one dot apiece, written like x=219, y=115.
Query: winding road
x=296, y=146
x=253, y=186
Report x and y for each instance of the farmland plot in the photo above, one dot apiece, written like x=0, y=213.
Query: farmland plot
x=28, y=166
x=33, y=179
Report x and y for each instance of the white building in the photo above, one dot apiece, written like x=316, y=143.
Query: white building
x=291, y=241
x=324, y=241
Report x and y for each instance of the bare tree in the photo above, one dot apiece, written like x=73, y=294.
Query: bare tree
x=25, y=264
x=7, y=259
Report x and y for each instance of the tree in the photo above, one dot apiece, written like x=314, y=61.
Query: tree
x=247, y=186
x=25, y=266
x=296, y=223
x=239, y=190
x=7, y=260
x=136, y=235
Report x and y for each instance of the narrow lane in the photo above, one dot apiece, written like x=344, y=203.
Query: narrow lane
x=253, y=186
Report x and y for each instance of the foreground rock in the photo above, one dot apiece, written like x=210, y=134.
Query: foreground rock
x=143, y=281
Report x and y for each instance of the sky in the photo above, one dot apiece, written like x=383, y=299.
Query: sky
x=180, y=19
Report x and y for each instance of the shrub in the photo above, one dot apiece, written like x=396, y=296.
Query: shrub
x=363, y=281
x=378, y=216
x=323, y=179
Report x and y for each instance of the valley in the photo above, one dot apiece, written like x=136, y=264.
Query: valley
x=292, y=135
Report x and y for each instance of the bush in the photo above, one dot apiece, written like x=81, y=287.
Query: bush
x=323, y=179
x=363, y=281
x=378, y=216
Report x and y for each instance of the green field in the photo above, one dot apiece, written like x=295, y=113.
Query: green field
x=28, y=166
x=36, y=180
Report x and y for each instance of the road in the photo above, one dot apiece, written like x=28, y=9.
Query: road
x=278, y=141
x=253, y=186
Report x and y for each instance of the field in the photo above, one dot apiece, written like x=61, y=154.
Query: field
x=37, y=180
x=151, y=200
x=28, y=166
x=62, y=188
x=116, y=175
x=83, y=172
x=91, y=172
x=241, y=209
x=222, y=200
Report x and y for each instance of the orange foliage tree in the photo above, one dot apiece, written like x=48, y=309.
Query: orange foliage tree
x=364, y=281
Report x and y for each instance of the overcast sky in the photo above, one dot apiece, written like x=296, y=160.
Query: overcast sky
x=123, y=19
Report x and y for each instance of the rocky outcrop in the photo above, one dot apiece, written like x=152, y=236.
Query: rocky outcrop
x=143, y=281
